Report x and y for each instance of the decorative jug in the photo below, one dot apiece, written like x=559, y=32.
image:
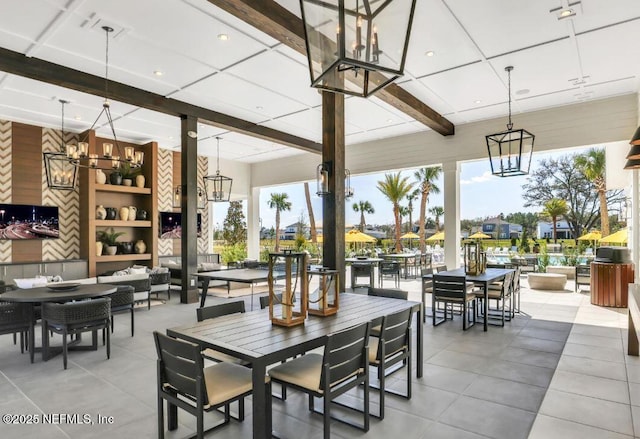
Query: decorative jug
x=99, y=246
x=140, y=246
x=115, y=178
x=140, y=180
x=133, y=210
x=101, y=177
x=101, y=212
x=126, y=247
x=141, y=215
x=124, y=213
x=112, y=213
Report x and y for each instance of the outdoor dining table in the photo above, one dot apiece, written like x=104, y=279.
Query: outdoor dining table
x=251, y=337
x=484, y=279
x=55, y=293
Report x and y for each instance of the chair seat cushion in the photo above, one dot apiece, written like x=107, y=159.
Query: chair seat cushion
x=303, y=371
x=226, y=381
x=373, y=351
x=221, y=356
x=375, y=330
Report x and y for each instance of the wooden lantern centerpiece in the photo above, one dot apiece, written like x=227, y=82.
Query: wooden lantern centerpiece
x=292, y=268
x=475, y=260
x=327, y=301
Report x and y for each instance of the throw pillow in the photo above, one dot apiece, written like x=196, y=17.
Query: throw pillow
x=31, y=282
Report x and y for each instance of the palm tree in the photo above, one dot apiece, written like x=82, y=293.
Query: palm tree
x=427, y=178
x=404, y=212
x=312, y=219
x=362, y=207
x=279, y=203
x=395, y=188
x=554, y=208
x=592, y=165
x=410, y=197
x=438, y=212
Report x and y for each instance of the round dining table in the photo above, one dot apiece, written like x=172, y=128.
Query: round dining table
x=62, y=292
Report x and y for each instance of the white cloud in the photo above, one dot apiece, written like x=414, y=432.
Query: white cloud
x=486, y=176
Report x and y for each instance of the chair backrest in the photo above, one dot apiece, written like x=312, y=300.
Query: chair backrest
x=449, y=287
x=77, y=312
x=391, y=293
x=123, y=296
x=441, y=268
x=516, y=280
x=213, y=311
x=180, y=366
x=389, y=267
x=345, y=355
x=394, y=333
x=507, y=284
x=583, y=274
x=14, y=316
x=264, y=300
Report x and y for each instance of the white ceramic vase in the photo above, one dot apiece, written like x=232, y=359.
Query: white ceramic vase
x=140, y=247
x=140, y=180
x=101, y=177
x=124, y=213
x=133, y=210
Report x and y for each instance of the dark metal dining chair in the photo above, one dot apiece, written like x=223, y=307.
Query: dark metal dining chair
x=182, y=380
x=344, y=365
x=452, y=290
x=391, y=348
x=389, y=269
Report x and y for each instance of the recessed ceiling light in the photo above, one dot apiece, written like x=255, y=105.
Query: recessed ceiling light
x=477, y=101
x=430, y=53
x=170, y=137
x=523, y=91
x=223, y=37
x=389, y=120
x=259, y=107
x=158, y=72
x=566, y=13
x=78, y=117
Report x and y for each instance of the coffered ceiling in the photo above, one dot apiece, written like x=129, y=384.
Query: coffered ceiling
x=175, y=48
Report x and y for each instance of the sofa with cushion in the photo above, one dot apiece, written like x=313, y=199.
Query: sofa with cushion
x=139, y=281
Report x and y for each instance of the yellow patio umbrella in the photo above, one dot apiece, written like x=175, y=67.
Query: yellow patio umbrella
x=594, y=235
x=620, y=237
x=436, y=237
x=479, y=235
x=356, y=235
x=410, y=235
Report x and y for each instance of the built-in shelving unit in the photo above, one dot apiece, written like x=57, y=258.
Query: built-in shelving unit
x=93, y=194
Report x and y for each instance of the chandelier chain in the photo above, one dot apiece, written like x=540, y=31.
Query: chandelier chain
x=508, y=69
x=106, y=64
x=218, y=156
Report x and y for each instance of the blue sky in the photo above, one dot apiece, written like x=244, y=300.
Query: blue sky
x=481, y=195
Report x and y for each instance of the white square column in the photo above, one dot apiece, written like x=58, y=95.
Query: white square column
x=253, y=224
x=452, y=235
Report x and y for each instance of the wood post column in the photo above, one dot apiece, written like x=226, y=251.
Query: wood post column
x=333, y=204
x=189, y=243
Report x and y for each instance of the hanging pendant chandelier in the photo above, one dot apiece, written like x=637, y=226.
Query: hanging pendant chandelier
x=356, y=47
x=110, y=159
x=61, y=173
x=218, y=187
x=510, y=151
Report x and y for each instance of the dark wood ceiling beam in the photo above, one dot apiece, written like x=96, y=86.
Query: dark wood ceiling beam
x=279, y=23
x=44, y=71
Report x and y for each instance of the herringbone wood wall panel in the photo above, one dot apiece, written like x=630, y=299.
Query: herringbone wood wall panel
x=165, y=194
x=5, y=180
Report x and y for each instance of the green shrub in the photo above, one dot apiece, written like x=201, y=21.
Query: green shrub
x=234, y=253
x=543, y=261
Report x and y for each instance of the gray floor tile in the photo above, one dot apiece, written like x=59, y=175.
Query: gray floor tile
x=528, y=356
x=595, y=340
x=446, y=378
x=548, y=427
x=599, y=331
x=460, y=361
x=477, y=416
x=595, y=412
x=523, y=373
x=594, y=352
x=587, y=366
x=443, y=431
x=509, y=393
x=589, y=385
x=545, y=334
x=537, y=344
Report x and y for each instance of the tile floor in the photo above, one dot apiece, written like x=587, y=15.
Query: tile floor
x=559, y=370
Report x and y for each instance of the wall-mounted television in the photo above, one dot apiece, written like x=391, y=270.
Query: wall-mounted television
x=24, y=221
x=171, y=225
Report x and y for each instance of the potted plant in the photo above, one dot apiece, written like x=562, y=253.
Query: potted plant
x=128, y=173
x=109, y=239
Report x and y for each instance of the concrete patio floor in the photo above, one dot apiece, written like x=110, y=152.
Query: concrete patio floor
x=559, y=370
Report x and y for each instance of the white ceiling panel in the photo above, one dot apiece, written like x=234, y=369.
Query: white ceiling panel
x=382, y=133
x=14, y=42
x=306, y=124
x=599, y=13
x=460, y=88
x=27, y=19
x=245, y=95
x=367, y=115
x=499, y=26
x=286, y=76
x=425, y=94
x=435, y=29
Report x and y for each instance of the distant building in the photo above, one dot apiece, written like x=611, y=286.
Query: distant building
x=290, y=232
x=545, y=230
x=498, y=228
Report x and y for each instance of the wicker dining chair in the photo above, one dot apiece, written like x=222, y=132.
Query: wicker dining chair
x=73, y=318
x=122, y=301
x=16, y=318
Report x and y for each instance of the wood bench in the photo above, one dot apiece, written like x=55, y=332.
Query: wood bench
x=547, y=281
x=634, y=318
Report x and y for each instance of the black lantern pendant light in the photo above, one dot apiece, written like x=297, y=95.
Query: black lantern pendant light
x=510, y=151
x=61, y=173
x=356, y=47
x=218, y=187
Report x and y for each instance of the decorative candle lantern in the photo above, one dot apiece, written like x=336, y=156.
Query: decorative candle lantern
x=293, y=305
x=327, y=301
x=475, y=260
